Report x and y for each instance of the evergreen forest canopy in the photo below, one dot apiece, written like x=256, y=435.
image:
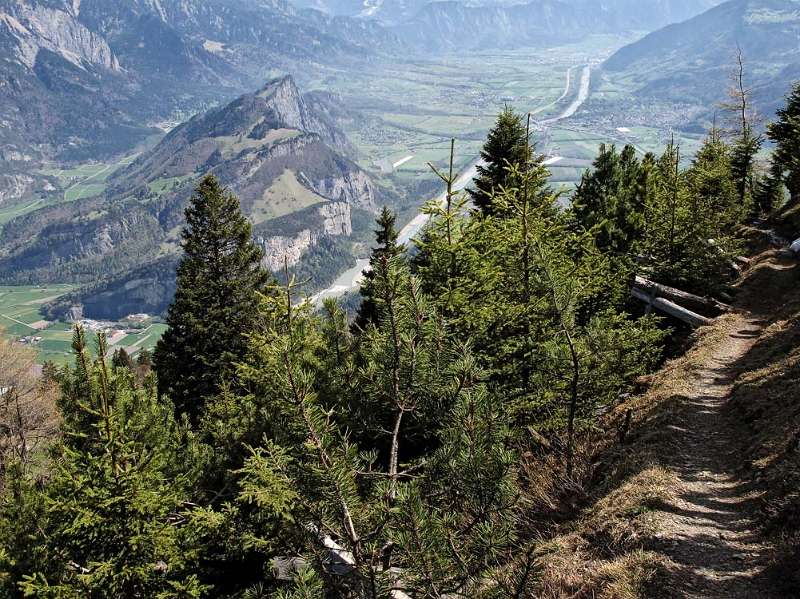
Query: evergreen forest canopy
x=267, y=449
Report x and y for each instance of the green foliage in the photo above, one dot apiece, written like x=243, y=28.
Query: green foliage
x=785, y=133
x=691, y=219
x=770, y=192
x=384, y=455
x=330, y=476
x=216, y=303
x=387, y=246
x=611, y=198
x=106, y=523
x=506, y=147
x=121, y=359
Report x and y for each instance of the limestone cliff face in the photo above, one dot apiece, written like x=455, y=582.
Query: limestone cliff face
x=34, y=27
x=14, y=187
x=353, y=187
x=280, y=250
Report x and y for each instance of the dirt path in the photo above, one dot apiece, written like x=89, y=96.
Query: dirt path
x=708, y=530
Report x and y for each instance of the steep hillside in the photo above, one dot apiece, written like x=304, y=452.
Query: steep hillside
x=279, y=156
x=78, y=80
x=692, y=491
x=452, y=25
x=693, y=60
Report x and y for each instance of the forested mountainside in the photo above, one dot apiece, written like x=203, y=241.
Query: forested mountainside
x=269, y=147
x=451, y=25
x=386, y=11
x=645, y=15
x=694, y=60
x=80, y=79
x=497, y=421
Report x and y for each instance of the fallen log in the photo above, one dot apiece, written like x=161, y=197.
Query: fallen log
x=664, y=305
x=695, y=302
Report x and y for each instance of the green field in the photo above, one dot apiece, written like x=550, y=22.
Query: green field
x=74, y=184
x=20, y=317
x=413, y=108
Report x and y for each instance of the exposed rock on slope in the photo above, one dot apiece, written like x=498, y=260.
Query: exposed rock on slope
x=78, y=79
x=288, y=249
x=268, y=147
x=249, y=144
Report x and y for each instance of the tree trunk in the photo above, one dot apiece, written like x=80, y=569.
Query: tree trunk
x=691, y=318
x=695, y=302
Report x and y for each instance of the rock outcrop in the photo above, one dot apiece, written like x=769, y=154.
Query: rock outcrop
x=250, y=143
x=30, y=27
x=14, y=187
x=78, y=77
x=287, y=250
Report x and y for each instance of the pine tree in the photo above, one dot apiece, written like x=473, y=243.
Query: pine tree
x=770, y=191
x=377, y=508
x=785, y=132
x=387, y=247
x=121, y=359
x=216, y=301
x=506, y=146
x=746, y=143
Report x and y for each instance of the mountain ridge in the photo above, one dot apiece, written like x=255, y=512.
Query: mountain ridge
x=268, y=147
x=694, y=59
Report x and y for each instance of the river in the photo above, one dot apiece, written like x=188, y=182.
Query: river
x=353, y=277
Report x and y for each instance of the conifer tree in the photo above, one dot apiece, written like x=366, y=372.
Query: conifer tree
x=216, y=300
x=507, y=146
x=106, y=519
x=746, y=143
x=387, y=247
x=378, y=510
x=785, y=132
x=769, y=194
x=121, y=359
x=609, y=200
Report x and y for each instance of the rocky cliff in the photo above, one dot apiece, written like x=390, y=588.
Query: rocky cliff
x=287, y=250
x=250, y=144
x=78, y=77
x=269, y=148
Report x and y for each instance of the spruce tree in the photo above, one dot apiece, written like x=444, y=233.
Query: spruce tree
x=746, y=143
x=506, y=147
x=105, y=521
x=785, y=132
x=769, y=194
x=609, y=200
x=216, y=300
x=387, y=247
x=121, y=359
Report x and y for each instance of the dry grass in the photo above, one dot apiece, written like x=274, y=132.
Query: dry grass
x=605, y=541
x=625, y=519
x=766, y=399
x=569, y=570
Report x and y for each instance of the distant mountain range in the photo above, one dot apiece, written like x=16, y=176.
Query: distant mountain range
x=86, y=78
x=283, y=159
x=442, y=25
x=693, y=60
x=452, y=25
